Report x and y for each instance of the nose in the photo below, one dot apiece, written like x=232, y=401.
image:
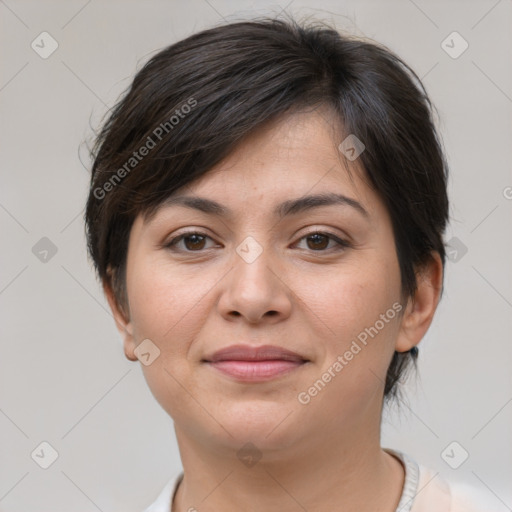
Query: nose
x=255, y=289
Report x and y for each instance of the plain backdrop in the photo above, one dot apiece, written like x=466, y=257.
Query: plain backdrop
x=64, y=379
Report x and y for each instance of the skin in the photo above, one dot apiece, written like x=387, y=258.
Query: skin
x=306, y=295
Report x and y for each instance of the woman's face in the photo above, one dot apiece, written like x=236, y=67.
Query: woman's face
x=253, y=277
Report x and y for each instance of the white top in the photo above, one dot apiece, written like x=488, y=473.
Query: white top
x=423, y=491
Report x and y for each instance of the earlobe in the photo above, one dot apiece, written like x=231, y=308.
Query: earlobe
x=420, y=309
x=123, y=323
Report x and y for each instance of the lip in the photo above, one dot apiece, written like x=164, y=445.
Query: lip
x=255, y=364
x=250, y=353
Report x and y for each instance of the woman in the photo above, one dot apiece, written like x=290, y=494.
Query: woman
x=266, y=215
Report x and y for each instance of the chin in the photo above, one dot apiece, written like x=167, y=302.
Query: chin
x=267, y=425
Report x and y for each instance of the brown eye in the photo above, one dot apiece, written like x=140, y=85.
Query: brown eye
x=192, y=242
x=319, y=242
x=196, y=242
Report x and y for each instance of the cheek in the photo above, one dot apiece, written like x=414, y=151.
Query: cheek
x=351, y=298
x=164, y=300
x=360, y=342
x=359, y=306
x=167, y=307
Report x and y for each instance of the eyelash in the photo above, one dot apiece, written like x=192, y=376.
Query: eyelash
x=342, y=244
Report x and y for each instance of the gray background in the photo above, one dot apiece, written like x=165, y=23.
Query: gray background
x=63, y=375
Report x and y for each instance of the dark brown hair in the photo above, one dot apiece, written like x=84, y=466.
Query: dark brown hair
x=194, y=101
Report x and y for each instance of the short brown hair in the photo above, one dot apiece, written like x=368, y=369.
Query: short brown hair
x=194, y=101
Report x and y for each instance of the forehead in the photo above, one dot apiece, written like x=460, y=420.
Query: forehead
x=294, y=156
x=289, y=146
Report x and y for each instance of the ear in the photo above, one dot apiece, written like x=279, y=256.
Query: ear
x=420, y=309
x=122, y=320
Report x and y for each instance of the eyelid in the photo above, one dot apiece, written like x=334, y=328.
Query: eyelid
x=342, y=242
x=176, y=238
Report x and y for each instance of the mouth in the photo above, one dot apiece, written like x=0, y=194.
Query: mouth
x=255, y=364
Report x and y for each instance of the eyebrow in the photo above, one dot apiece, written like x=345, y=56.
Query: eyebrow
x=287, y=208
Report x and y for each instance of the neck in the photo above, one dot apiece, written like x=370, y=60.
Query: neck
x=336, y=472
